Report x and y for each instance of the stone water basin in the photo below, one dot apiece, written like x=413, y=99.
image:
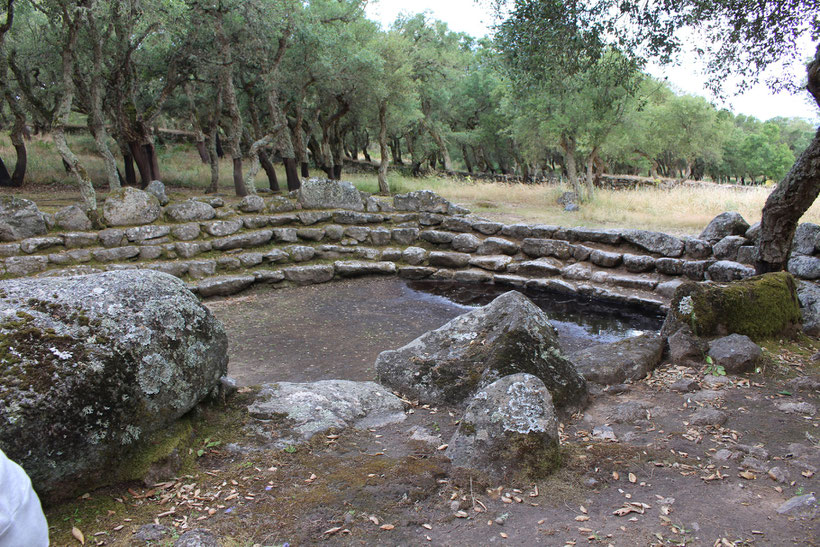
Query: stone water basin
x=336, y=330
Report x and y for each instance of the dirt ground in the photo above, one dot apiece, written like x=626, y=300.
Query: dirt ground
x=655, y=472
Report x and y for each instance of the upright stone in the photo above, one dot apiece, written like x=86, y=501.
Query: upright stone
x=129, y=206
x=19, y=219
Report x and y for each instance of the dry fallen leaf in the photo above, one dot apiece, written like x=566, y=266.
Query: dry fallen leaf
x=748, y=475
x=332, y=530
x=502, y=534
x=78, y=535
x=582, y=518
x=616, y=476
x=373, y=519
x=632, y=478
x=583, y=509
x=387, y=527
x=461, y=514
x=443, y=447
x=427, y=526
x=807, y=473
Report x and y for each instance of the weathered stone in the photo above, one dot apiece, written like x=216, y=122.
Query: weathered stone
x=669, y=266
x=708, y=416
x=150, y=252
x=243, y=241
x=605, y=259
x=19, y=219
x=72, y=217
x=511, y=280
x=300, y=253
x=279, y=204
x=352, y=217
x=726, y=270
x=697, y=248
x=334, y=232
x=251, y=204
x=225, y=285
x=275, y=256
x=448, y=260
x=493, y=263
x=628, y=359
x=640, y=282
x=487, y=227
x=59, y=258
x=796, y=407
x=268, y=276
x=129, y=206
x=309, y=275
x=359, y=233
x=112, y=237
x=808, y=295
x=314, y=217
x=199, y=269
x=581, y=252
x=391, y=254
x=696, y=269
x=753, y=233
x=285, y=235
x=151, y=533
x=805, y=267
x=304, y=410
x=26, y=265
x=116, y=254
x=761, y=307
x=330, y=194
x=579, y=271
x=546, y=247
x=249, y=260
x=421, y=200
x=310, y=234
x=638, y=263
x=128, y=354
x=655, y=242
x=228, y=263
x=79, y=255
x=546, y=231
x=73, y=240
x=472, y=275
x=186, y=232
x=442, y=274
x=187, y=249
x=256, y=222
x=726, y=248
x=190, y=210
x=725, y=224
x=13, y=249
x=414, y=255
x=497, y=246
x=379, y=236
x=609, y=237
x=405, y=236
x=356, y=268
x=465, y=243
x=509, y=427
x=222, y=228
x=736, y=353
x=157, y=189
x=540, y=267
x=746, y=254
x=686, y=349
x=376, y=205
x=685, y=385
x=415, y=272
x=430, y=219
x=145, y=233
x=177, y=269
x=436, y=237
x=451, y=363
x=457, y=224
x=517, y=231
x=34, y=244
x=804, y=506
x=403, y=219
x=629, y=412
x=198, y=537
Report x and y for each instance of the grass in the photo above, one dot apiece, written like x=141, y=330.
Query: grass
x=681, y=210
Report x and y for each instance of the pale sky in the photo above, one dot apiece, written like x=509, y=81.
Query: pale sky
x=475, y=19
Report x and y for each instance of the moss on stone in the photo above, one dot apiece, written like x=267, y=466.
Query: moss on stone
x=760, y=307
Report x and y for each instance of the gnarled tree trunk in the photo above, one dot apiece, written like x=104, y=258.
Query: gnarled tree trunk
x=384, y=188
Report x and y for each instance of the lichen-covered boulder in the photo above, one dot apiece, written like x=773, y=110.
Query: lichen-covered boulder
x=330, y=194
x=725, y=224
x=189, y=210
x=809, y=296
x=157, y=189
x=301, y=410
x=507, y=336
x=805, y=238
x=509, y=429
x=72, y=218
x=251, y=204
x=655, y=242
x=91, y=366
x=759, y=307
x=19, y=219
x=423, y=201
x=129, y=206
x=628, y=359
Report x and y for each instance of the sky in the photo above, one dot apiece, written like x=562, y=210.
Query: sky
x=475, y=19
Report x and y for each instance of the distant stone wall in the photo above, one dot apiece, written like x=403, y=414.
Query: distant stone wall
x=419, y=235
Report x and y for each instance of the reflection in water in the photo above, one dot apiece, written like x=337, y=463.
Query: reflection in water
x=576, y=318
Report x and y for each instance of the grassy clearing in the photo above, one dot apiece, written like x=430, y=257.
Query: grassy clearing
x=681, y=210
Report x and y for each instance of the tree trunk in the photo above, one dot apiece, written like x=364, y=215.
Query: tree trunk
x=5, y=177
x=305, y=169
x=567, y=145
x=273, y=181
x=786, y=204
x=19, y=175
x=467, y=162
x=199, y=135
x=142, y=161
x=384, y=188
x=128, y=163
x=229, y=96
x=442, y=145
x=292, y=175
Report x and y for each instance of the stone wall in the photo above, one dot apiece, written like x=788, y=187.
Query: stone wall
x=415, y=236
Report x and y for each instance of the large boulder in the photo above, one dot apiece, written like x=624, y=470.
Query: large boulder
x=189, y=210
x=735, y=353
x=805, y=237
x=809, y=296
x=129, y=206
x=629, y=359
x=804, y=267
x=20, y=218
x=92, y=366
x=72, y=218
x=424, y=201
x=300, y=411
x=330, y=194
x=507, y=336
x=509, y=429
x=725, y=224
x=759, y=307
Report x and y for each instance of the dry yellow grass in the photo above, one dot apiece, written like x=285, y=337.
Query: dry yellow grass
x=681, y=210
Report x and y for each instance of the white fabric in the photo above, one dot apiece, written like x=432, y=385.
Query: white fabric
x=22, y=522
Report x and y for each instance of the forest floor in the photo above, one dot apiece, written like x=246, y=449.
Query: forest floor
x=657, y=477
